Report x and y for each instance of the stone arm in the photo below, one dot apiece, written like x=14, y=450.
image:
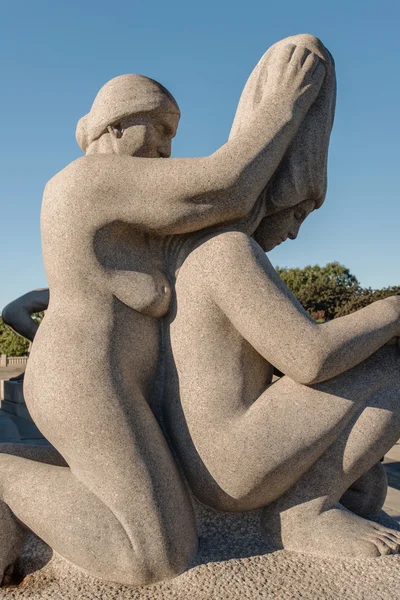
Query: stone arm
x=246, y=287
x=174, y=196
x=17, y=314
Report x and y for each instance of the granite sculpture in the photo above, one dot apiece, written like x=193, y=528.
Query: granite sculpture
x=119, y=509
x=293, y=446
x=119, y=227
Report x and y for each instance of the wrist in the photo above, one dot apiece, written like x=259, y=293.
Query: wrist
x=393, y=304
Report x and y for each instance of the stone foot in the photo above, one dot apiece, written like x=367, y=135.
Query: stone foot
x=335, y=533
x=382, y=518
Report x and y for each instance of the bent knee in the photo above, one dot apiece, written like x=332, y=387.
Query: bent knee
x=10, y=314
x=153, y=568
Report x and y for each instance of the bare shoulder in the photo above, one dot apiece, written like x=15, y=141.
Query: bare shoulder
x=98, y=175
x=78, y=175
x=226, y=259
x=80, y=183
x=229, y=247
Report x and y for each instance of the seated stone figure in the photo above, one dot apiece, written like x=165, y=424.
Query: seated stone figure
x=117, y=506
x=293, y=446
x=365, y=496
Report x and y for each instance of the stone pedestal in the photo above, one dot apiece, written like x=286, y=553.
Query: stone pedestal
x=16, y=424
x=234, y=562
x=13, y=401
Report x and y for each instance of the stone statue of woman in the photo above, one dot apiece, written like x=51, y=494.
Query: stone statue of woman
x=118, y=508
x=293, y=446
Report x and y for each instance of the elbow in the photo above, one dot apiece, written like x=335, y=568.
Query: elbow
x=309, y=379
x=20, y=321
x=314, y=371
x=310, y=367
x=306, y=376
x=312, y=361
x=10, y=314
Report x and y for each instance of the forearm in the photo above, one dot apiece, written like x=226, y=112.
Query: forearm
x=252, y=156
x=21, y=322
x=347, y=341
x=246, y=287
x=17, y=314
x=183, y=195
x=225, y=186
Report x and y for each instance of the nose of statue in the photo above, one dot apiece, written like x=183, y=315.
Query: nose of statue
x=164, y=150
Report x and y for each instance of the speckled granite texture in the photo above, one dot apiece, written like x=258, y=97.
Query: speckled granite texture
x=124, y=246
x=234, y=562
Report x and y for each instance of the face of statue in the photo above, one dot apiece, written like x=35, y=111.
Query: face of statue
x=146, y=135
x=276, y=228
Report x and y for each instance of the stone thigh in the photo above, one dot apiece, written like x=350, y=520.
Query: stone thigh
x=289, y=427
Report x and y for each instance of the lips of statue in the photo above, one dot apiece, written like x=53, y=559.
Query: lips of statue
x=276, y=228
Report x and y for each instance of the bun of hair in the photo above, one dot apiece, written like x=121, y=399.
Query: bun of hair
x=81, y=134
x=122, y=97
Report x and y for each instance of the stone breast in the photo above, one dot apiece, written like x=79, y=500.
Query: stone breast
x=134, y=268
x=149, y=294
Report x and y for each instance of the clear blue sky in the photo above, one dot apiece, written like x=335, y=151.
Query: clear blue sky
x=56, y=55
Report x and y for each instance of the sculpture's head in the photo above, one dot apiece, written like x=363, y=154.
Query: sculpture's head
x=275, y=228
x=131, y=115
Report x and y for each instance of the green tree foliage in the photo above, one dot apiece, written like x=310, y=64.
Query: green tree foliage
x=11, y=343
x=330, y=291
x=321, y=290
x=38, y=317
x=365, y=297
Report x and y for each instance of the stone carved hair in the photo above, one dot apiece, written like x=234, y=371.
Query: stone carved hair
x=119, y=98
x=302, y=173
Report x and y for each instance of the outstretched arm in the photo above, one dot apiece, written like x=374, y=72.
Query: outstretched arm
x=17, y=314
x=246, y=287
x=169, y=196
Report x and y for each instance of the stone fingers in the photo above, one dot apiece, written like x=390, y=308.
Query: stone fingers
x=284, y=56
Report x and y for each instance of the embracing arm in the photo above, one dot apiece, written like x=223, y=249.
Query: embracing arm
x=17, y=314
x=169, y=196
x=246, y=287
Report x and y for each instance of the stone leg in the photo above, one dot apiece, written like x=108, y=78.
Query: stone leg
x=283, y=434
x=14, y=530
x=12, y=541
x=309, y=518
x=42, y=454
x=61, y=510
x=367, y=495
x=134, y=545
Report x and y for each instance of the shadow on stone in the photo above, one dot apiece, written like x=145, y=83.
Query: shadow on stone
x=393, y=474
x=36, y=555
x=226, y=536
